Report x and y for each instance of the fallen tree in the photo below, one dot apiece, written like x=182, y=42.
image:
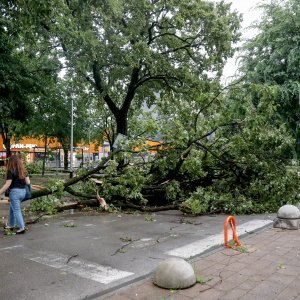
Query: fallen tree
x=74, y=180
x=242, y=170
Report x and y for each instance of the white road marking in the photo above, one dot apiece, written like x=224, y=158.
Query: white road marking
x=146, y=239
x=13, y=247
x=79, y=266
x=73, y=265
x=200, y=246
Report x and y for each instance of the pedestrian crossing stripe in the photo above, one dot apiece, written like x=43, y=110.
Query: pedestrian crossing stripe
x=80, y=267
x=73, y=265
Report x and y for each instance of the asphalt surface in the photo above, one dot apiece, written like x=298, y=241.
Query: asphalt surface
x=82, y=256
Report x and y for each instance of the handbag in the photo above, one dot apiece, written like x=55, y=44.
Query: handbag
x=28, y=193
x=6, y=193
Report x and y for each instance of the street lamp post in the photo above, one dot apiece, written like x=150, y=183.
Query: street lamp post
x=71, y=142
x=89, y=153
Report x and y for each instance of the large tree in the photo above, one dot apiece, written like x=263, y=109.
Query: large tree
x=27, y=67
x=131, y=50
x=272, y=57
x=16, y=81
x=51, y=117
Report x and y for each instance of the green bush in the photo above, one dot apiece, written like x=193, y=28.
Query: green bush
x=2, y=172
x=262, y=195
x=47, y=205
x=35, y=167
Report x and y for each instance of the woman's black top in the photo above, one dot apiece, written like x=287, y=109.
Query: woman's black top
x=16, y=183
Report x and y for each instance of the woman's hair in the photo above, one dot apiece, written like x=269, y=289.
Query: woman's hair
x=15, y=164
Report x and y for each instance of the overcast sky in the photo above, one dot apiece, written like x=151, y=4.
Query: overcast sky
x=250, y=14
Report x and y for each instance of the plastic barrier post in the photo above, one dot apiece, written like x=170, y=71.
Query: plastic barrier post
x=230, y=220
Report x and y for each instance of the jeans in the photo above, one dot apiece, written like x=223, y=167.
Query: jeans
x=15, y=213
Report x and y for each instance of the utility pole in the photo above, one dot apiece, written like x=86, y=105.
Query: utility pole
x=89, y=153
x=71, y=142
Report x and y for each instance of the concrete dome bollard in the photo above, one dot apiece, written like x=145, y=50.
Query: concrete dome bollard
x=174, y=273
x=288, y=217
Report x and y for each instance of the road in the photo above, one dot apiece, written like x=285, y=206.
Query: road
x=85, y=256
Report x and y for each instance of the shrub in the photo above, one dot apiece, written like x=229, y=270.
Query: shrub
x=47, y=205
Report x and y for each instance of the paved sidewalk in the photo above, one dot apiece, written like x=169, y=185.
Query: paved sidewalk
x=270, y=269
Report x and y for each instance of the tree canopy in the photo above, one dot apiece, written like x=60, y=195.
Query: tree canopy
x=131, y=50
x=25, y=71
x=272, y=57
x=221, y=149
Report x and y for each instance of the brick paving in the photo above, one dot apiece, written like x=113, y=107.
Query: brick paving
x=268, y=270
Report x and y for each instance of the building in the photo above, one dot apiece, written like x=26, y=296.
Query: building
x=34, y=149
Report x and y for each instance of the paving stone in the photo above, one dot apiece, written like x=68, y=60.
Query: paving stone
x=211, y=295
x=248, y=259
x=293, y=261
x=250, y=296
x=258, y=277
x=273, y=257
x=194, y=291
x=238, y=278
x=259, y=253
x=214, y=280
x=174, y=296
x=289, y=270
x=148, y=289
x=248, y=285
x=281, y=278
x=226, y=286
x=268, y=290
x=218, y=257
x=235, y=294
x=225, y=274
x=295, y=283
x=288, y=293
x=203, y=264
x=271, y=272
x=236, y=266
x=215, y=270
x=262, y=265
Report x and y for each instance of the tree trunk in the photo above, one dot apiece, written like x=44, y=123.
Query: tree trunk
x=6, y=143
x=6, y=140
x=101, y=166
x=122, y=124
x=66, y=157
x=45, y=155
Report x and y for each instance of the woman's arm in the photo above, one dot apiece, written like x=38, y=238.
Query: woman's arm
x=27, y=180
x=5, y=186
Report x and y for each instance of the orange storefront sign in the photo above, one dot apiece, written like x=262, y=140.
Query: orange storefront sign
x=37, y=145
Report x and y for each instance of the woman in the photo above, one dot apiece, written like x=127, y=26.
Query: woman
x=16, y=179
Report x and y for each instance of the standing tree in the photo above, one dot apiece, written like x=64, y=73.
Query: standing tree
x=52, y=115
x=27, y=67
x=131, y=50
x=170, y=53
x=17, y=84
x=272, y=58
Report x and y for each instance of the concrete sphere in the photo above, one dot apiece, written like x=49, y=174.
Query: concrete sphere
x=174, y=273
x=288, y=211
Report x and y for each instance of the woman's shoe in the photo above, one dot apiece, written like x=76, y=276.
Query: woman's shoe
x=6, y=227
x=21, y=231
